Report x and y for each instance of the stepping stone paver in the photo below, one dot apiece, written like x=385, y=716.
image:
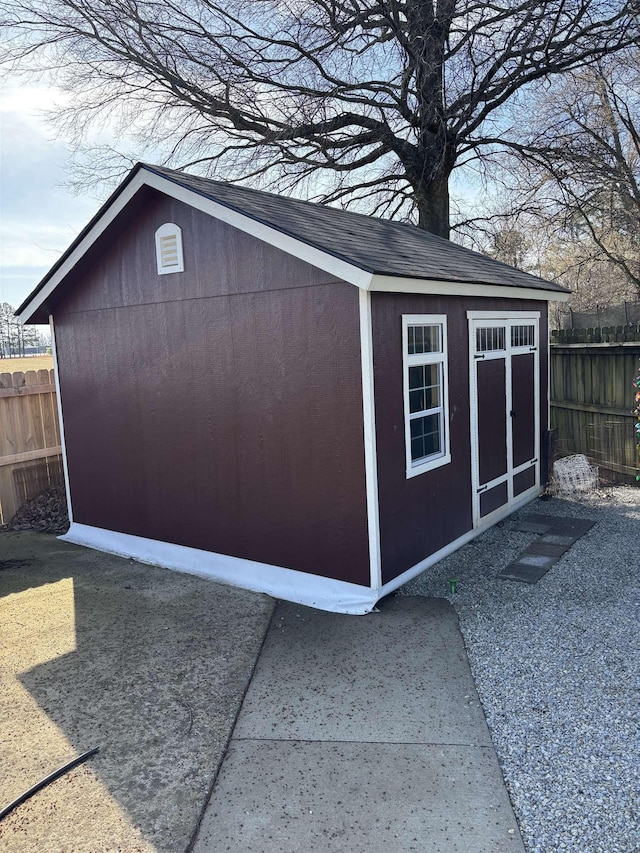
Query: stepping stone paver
x=557, y=536
x=521, y=572
x=549, y=549
x=557, y=539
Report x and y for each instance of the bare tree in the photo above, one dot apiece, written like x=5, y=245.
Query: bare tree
x=372, y=102
x=14, y=337
x=576, y=173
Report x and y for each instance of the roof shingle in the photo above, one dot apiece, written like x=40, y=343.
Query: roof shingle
x=379, y=246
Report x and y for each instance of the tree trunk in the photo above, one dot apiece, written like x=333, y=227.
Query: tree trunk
x=432, y=201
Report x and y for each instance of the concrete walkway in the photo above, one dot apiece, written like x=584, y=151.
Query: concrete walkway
x=146, y=664
x=361, y=734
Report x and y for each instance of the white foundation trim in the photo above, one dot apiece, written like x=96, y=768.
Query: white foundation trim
x=289, y=584
x=370, y=449
x=56, y=374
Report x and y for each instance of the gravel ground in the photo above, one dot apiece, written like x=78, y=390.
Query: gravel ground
x=557, y=668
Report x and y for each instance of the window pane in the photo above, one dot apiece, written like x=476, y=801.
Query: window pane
x=490, y=338
x=417, y=449
x=423, y=339
x=417, y=401
x=416, y=376
x=431, y=375
x=425, y=436
x=432, y=397
x=424, y=387
x=523, y=336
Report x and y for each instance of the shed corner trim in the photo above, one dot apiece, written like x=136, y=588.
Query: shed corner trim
x=369, y=437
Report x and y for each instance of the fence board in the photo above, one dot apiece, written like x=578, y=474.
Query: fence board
x=592, y=397
x=29, y=436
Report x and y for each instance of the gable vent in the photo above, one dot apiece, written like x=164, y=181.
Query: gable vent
x=169, y=249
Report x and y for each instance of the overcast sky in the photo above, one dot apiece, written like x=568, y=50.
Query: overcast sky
x=38, y=217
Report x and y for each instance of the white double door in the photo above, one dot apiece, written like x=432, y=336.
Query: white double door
x=505, y=411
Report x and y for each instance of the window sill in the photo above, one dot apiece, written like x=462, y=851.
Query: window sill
x=429, y=465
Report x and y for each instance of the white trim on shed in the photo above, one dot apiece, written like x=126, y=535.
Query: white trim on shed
x=344, y=270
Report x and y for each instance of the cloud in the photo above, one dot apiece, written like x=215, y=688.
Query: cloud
x=39, y=218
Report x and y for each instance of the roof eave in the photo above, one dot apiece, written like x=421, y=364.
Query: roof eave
x=140, y=176
x=31, y=310
x=442, y=287
x=85, y=239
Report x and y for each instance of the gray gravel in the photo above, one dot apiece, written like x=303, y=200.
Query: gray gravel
x=557, y=668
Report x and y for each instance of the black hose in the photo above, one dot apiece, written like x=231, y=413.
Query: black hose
x=50, y=778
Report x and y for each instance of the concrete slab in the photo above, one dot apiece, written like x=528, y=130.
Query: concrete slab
x=348, y=677
x=572, y=526
x=537, y=561
x=289, y=796
x=561, y=539
x=361, y=734
x=147, y=664
x=519, y=571
x=548, y=549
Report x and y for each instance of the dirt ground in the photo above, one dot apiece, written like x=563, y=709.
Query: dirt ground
x=147, y=664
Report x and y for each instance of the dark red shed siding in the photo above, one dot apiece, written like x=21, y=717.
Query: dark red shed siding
x=422, y=514
x=219, y=408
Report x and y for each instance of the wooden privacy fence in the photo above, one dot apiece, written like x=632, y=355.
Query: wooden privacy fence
x=30, y=451
x=593, y=397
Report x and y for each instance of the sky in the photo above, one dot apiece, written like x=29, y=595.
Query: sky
x=39, y=218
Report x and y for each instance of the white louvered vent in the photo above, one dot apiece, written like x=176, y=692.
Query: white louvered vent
x=169, y=249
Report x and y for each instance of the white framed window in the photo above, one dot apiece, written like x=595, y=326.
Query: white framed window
x=523, y=336
x=426, y=392
x=169, y=255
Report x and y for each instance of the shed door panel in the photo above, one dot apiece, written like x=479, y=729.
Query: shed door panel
x=492, y=420
x=523, y=408
x=494, y=498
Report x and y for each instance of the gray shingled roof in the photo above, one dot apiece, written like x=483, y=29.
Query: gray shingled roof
x=375, y=245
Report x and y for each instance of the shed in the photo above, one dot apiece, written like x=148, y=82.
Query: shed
x=288, y=397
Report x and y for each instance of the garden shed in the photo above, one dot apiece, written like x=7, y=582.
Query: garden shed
x=289, y=397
